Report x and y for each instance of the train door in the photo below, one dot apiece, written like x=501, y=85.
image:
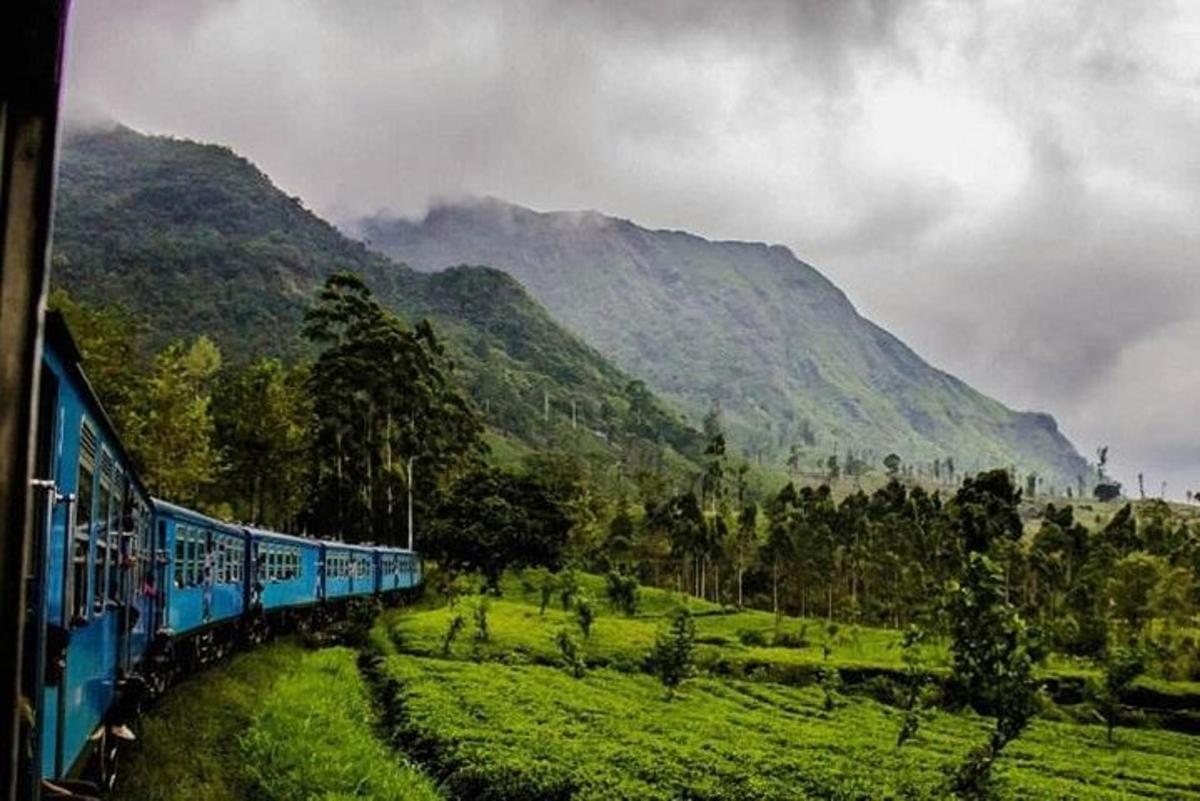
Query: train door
x=37, y=576
x=162, y=565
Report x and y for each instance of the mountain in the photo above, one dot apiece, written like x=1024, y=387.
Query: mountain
x=196, y=240
x=781, y=348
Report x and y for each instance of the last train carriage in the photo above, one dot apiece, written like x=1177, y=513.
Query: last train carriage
x=125, y=589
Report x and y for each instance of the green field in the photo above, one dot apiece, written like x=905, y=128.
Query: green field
x=530, y=732
x=521, y=633
x=280, y=722
x=500, y=719
x=496, y=719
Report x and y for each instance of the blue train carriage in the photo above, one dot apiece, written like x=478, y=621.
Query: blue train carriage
x=202, y=581
x=396, y=569
x=287, y=574
x=348, y=570
x=92, y=599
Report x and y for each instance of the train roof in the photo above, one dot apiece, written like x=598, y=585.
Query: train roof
x=57, y=338
x=182, y=511
x=392, y=549
x=350, y=546
x=278, y=535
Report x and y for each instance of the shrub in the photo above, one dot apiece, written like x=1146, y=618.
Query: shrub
x=569, y=650
x=622, y=592
x=547, y=590
x=753, y=638
x=830, y=681
x=568, y=588
x=456, y=625
x=673, y=656
x=791, y=639
x=585, y=615
x=481, y=620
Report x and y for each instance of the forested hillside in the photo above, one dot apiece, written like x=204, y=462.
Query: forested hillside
x=195, y=240
x=798, y=371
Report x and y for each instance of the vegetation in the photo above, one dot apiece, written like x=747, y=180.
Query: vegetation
x=276, y=723
x=496, y=731
x=925, y=631
x=799, y=373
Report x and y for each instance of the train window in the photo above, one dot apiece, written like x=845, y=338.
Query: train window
x=117, y=541
x=100, y=534
x=193, y=557
x=180, y=556
x=84, y=484
x=205, y=563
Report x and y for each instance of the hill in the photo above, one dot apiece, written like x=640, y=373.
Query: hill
x=747, y=324
x=197, y=240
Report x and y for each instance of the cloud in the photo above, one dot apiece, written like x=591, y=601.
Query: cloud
x=1012, y=188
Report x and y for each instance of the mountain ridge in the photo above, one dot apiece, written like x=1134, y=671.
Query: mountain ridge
x=196, y=239
x=747, y=323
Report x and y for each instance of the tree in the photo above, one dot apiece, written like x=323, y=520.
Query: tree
x=382, y=399
x=491, y=521
x=1133, y=580
x=892, y=463
x=261, y=415
x=916, y=680
x=993, y=651
x=745, y=544
x=672, y=655
x=172, y=423
x=1121, y=667
x=110, y=341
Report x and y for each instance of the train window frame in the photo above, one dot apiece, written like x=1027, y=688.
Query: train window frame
x=116, y=536
x=82, y=514
x=180, y=565
x=100, y=533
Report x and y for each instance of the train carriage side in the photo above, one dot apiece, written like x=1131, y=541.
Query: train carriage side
x=287, y=570
x=92, y=600
x=204, y=569
x=349, y=570
x=397, y=569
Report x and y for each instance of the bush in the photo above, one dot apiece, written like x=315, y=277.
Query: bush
x=674, y=651
x=482, y=633
x=622, y=592
x=456, y=625
x=571, y=659
x=585, y=615
x=752, y=638
x=568, y=588
x=791, y=639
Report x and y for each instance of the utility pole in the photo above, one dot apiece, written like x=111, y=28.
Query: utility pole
x=411, y=459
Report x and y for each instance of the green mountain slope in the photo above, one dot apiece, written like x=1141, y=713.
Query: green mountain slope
x=774, y=341
x=197, y=240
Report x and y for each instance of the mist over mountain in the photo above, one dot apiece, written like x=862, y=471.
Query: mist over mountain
x=196, y=240
x=745, y=324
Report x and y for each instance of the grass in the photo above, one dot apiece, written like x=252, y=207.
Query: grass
x=280, y=722
x=500, y=720
x=520, y=634
x=514, y=732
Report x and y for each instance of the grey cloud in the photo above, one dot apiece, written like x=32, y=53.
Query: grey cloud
x=1012, y=188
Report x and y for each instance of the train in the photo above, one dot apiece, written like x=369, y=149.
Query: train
x=127, y=590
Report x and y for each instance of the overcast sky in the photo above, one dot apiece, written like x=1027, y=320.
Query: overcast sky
x=1012, y=188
